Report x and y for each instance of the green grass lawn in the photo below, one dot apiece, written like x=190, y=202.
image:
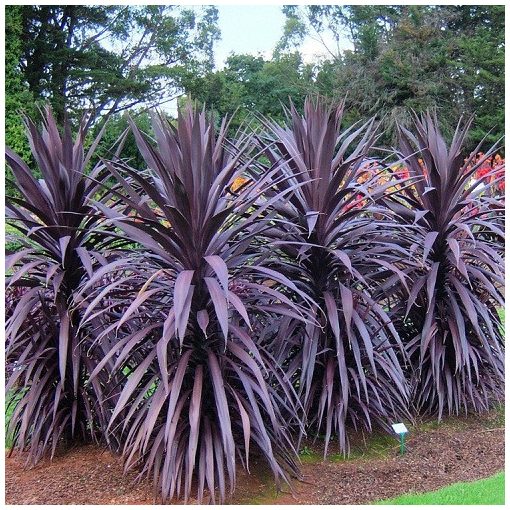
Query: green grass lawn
x=489, y=491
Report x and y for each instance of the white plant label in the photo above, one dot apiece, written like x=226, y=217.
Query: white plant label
x=400, y=428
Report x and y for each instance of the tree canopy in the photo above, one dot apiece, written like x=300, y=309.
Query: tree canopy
x=17, y=95
x=250, y=84
x=105, y=59
x=411, y=58
x=110, y=59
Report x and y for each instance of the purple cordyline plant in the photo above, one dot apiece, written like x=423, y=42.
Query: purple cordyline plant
x=342, y=249
x=201, y=393
x=450, y=322
x=62, y=242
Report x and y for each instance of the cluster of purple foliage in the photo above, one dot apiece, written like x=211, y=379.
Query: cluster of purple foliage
x=237, y=295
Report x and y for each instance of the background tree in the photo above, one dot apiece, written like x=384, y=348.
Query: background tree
x=115, y=58
x=250, y=84
x=17, y=95
x=410, y=57
x=18, y=98
x=478, y=57
x=111, y=58
x=117, y=137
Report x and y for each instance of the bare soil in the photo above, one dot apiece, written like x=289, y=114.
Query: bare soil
x=460, y=449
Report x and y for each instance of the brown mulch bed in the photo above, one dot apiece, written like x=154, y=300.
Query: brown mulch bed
x=460, y=450
x=434, y=460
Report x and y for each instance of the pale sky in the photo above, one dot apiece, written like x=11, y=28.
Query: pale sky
x=256, y=29
x=248, y=29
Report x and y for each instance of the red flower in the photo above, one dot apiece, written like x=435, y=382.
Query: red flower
x=482, y=172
